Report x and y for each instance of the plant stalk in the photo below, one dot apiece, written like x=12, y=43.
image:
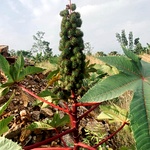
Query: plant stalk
x=110, y=136
x=48, y=140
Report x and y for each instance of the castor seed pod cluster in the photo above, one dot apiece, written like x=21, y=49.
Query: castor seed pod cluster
x=72, y=58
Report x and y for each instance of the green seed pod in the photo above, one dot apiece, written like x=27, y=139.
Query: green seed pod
x=79, y=33
x=74, y=25
x=79, y=55
x=77, y=14
x=73, y=58
x=67, y=44
x=78, y=22
x=73, y=18
x=64, y=13
x=69, y=87
x=76, y=50
x=74, y=41
x=71, y=33
x=64, y=20
x=74, y=74
x=67, y=25
x=73, y=7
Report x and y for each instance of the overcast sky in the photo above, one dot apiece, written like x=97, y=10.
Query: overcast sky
x=102, y=19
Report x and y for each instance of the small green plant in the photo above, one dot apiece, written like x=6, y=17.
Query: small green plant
x=16, y=72
x=4, y=122
x=134, y=75
x=4, y=142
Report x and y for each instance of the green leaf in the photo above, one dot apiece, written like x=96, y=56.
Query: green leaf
x=122, y=63
x=113, y=113
x=4, y=65
x=58, y=121
x=19, y=64
x=46, y=93
x=39, y=125
x=3, y=91
x=4, y=106
x=4, y=124
x=17, y=67
x=52, y=73
x=6, y=144
x=32, y=70
x=131, y=55
x=111, y=87
x=140, y=116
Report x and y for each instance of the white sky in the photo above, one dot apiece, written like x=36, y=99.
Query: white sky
x=102, y=19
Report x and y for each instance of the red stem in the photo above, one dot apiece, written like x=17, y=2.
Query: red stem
x=85, y=114
x=53, y=148
x=65, y=145
x=48, y=140
x=85, y=146
x=43, y=100
x=104, y=140
x=86, y=104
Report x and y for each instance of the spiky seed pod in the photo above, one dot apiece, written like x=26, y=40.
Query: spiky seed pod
x=71, y=33
x=78, y=22
x=76, y=50
x=79, y=55
x=73, y=18
x=74, y=64
x=67, y=44
x=74, y=41
x=64, y=20
x=73, y=7
x=79, y=33
x=74, y=25
x=64, y=13
x=67, y=25
x=77, y=14
x=72, y=58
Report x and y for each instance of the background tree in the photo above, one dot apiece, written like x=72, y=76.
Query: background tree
x=136, y=47
x=88, y=48
x=121, y=38
x=40, y=45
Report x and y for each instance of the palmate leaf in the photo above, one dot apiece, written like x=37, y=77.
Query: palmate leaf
x=129, y=79
x=140, y=116
x=111, y=87
x=122, y=63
